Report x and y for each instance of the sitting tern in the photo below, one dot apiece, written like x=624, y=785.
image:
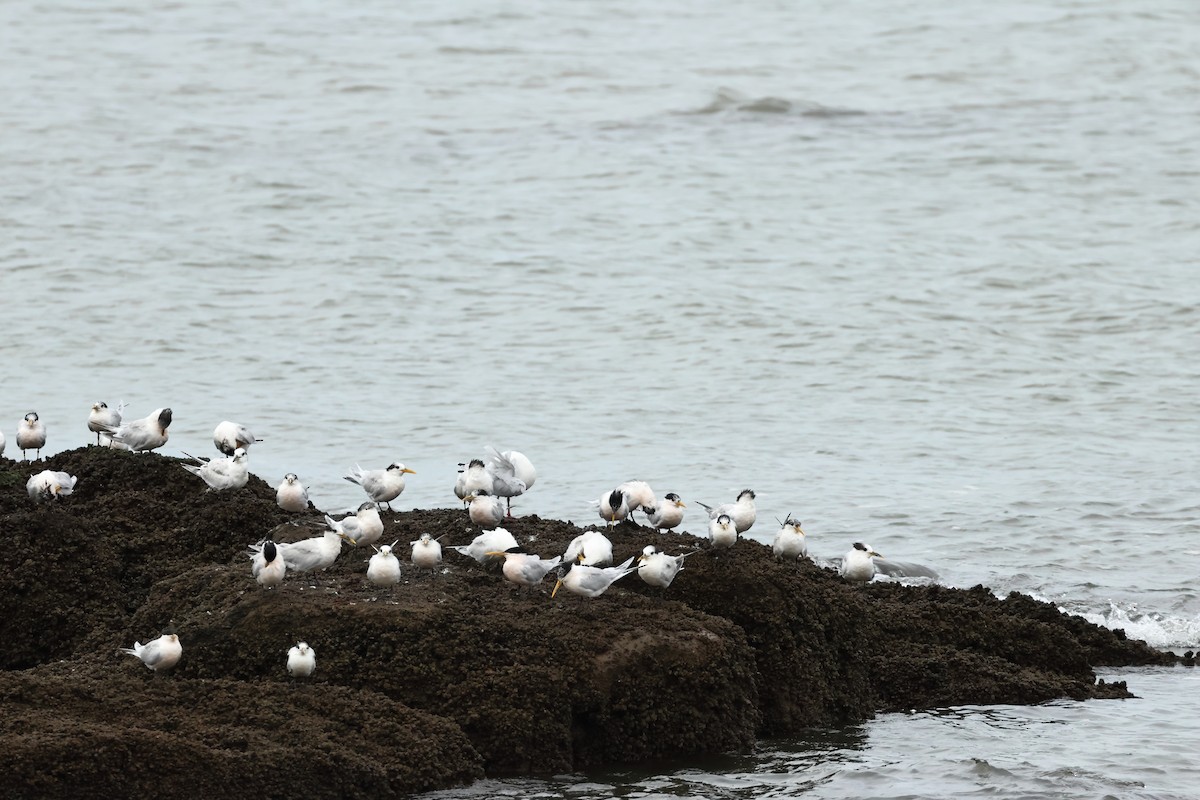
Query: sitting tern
x=50, y=485
x=591, y=581
x=659, y=569
x=221, y=473
x=361, y=528
x=384, y=568
x=291, y=494
x=301, y=661
x=858, y=564
x=525, y=569
x=790, y=543
x=158, y=655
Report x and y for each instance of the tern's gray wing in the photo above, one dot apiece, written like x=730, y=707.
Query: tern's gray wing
x=152, y=654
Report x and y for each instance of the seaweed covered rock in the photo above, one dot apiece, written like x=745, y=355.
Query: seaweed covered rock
x=490, y=677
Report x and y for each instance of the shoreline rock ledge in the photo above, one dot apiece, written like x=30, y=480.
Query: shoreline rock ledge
x=452, y=675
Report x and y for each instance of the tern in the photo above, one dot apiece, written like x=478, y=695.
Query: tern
x=141, y=435
x=381, y=485
x=591, y=581
x=229, y=436
x=742, y=512
x=31, y=434
x=158, y=655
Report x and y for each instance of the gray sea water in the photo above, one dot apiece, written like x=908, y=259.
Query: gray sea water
x=922, y=274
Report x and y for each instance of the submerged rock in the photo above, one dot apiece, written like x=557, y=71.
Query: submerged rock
x=456, y=673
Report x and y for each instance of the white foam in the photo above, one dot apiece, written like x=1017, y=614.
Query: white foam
x=1157, y=630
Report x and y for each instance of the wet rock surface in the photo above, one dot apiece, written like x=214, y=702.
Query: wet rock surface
x=455, y=673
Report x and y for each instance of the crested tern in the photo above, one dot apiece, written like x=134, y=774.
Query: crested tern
x=221, y=473
x=525, y=569
x=31, y=434
x=158, y=655
x=790, y=542
x=858, y=564
x=360, y=528
x=267, y=565
x=426, y=552
x=592, y=548
x=486, y=511
x=591, y=581
x=667, y=513
x=301, y=660
x=659, y=569
x=50, y=485
x=722, y=531
x=140, y=435
x=384, y=568
x=381, y=485
x=742, y=512
x=103, y=419
x=229, y=436
x=497, y=540
x=291, y=494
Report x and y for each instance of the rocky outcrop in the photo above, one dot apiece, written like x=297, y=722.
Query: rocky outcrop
x=452, y=674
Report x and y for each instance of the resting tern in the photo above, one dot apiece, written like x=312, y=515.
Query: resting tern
x=31, y=434
x=50, y=485
x=486, y=511
x=140, y=435
x=362, y=527
x=381, y=485
x=498, y=540
x=158, y=655
x=591, y=581
x=268, y=565
x=591, y=548
x=742, y=512
x=790, y=543
x=659, y=569
x=384, y=568
x=291, y=494
x=317, y=552
x=301, y=660
x=525, y=569
x=229, y=436
x=666, y=514
x=426, y=552
x=858, y=564
x=221, y=473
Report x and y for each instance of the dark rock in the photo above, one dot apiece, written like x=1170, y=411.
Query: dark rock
x=472, y=672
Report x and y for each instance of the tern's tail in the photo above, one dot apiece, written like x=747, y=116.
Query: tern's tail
x=707, y=508
x=191, y=468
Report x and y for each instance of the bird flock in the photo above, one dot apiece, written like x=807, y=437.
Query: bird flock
x=485, y=487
